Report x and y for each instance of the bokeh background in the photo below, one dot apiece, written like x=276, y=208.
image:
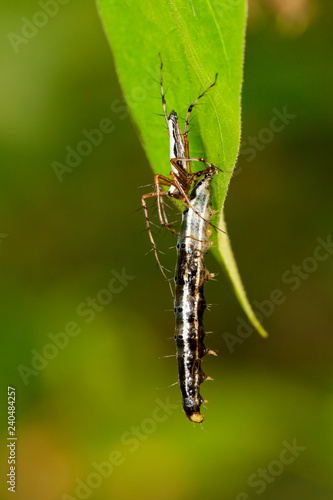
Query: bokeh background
x=106, y=396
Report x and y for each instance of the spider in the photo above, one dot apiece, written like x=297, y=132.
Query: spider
x=181, y=178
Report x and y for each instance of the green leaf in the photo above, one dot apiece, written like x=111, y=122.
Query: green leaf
x=196, y=39
x=227, y=259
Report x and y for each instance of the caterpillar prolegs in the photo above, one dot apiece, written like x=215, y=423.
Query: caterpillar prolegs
x=190, y=277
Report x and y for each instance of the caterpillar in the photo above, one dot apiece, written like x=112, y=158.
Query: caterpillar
x=193, y=190
x=189, y=305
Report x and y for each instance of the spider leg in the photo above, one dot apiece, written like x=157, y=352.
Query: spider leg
x=194, y=103
x=145, y=208
x=185, y=194
x=162, y=180
x=162, y=91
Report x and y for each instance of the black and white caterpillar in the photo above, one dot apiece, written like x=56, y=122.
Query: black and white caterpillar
x=193, y=190
x=190, y=277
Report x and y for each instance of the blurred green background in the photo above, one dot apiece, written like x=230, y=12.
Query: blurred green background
x=99, y=397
